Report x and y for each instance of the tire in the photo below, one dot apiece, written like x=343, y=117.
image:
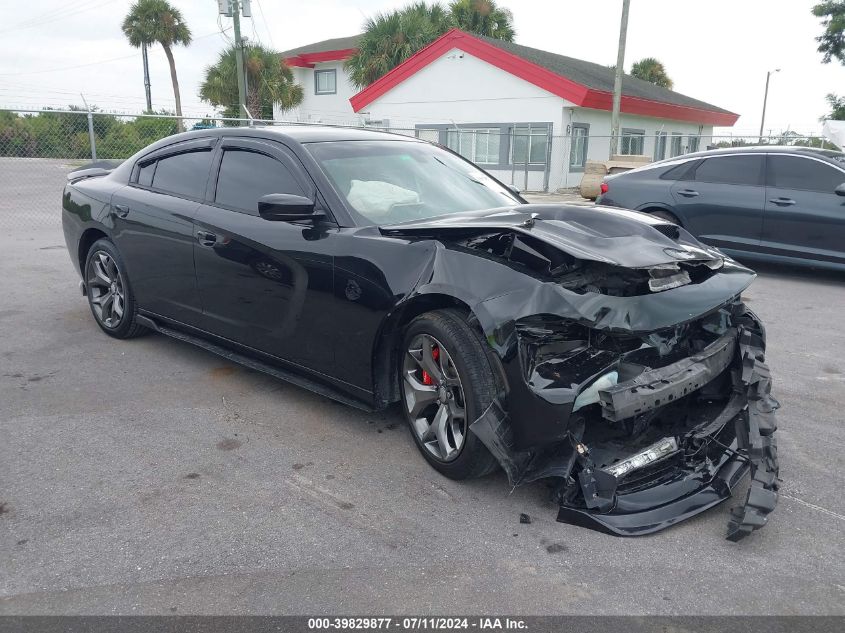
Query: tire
x=665, y=215
x=105, y=275
x=461, y=354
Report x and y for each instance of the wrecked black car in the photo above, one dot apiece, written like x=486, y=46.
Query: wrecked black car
x=602, y=350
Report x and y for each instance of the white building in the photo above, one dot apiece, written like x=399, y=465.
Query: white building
x=530, y=117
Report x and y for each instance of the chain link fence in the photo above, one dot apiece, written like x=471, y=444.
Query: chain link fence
x=39, y=147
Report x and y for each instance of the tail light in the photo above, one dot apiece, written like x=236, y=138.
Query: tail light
x=603, y=187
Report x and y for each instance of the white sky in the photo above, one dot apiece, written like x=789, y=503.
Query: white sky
x=717, y=51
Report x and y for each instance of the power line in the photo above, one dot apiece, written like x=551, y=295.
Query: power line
x=102, y=61
x=54, y=17
x=73, y=4
x=266, y=26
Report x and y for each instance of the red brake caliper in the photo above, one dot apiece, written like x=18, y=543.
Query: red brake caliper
x=426, y=377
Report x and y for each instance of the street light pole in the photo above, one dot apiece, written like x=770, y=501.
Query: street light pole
x=617, y=81
x=146, y=77
x=765, y=99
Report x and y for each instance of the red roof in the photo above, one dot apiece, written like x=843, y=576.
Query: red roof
x=307, y=60
x=685, y=108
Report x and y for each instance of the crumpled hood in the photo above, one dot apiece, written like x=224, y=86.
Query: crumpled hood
x=603, y=234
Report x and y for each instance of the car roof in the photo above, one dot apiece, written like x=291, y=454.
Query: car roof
x=305, y=133
x=764, y=149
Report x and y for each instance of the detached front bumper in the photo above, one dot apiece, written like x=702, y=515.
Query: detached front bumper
x=653, y=509
x=714, y=410
x=738, y=440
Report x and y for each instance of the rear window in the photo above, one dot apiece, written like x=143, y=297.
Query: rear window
x=145, y=174
x=679, y=172
x=731, y=170
x=183, y=174
x=794, y=172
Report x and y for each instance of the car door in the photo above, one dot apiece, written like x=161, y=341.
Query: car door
x=804, y=217
x=721, y=200
x=265, y=284
x=153, y=227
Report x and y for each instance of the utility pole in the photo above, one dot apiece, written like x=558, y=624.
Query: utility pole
x=146, y=77
x=233, y=9
x=239, y=59
x=617, y=82
x=765, y=99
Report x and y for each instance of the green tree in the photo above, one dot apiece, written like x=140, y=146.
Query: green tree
x=157, y=21
x=268, y=81
x=484, y=18
x=391, y=38
x=832, y=40
x=653, y=71
x=837, y=108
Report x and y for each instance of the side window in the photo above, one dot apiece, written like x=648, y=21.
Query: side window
x=145, y=174
x=731, y=170
x=245, y=176
x=793, y=172
x=183, y=174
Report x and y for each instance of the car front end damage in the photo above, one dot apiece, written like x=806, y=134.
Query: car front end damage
x=632, y=375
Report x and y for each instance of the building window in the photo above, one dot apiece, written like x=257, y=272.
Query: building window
x=529, y=143
x=480, y=145
x=578, y=146
x=676, y=148
x=633, y=142
x=325, y=82
x=494, y=145
x=660, y=146
x=693, y=143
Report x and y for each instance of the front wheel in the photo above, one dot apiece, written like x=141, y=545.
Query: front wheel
x=447, y=383
x=109, y=293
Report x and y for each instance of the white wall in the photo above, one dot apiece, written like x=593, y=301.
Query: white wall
x=598, y=147
x=329, y=109
x=460, y=88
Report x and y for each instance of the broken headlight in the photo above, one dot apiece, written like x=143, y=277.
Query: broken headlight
x=656, y=451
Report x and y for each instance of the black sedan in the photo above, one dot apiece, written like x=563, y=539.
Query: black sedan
x=780, y=204
x=607, y=352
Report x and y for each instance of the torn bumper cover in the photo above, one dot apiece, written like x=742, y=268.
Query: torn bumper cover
x=680, y=475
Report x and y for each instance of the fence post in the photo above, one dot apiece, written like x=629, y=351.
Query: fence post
x=90, y=129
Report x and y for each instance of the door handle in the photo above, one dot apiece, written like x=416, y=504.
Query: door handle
x=206, y=239
x=121, y=210
x=688, y=193
x=783, y=202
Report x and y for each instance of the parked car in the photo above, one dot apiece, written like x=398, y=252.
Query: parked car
x=782, y=204
x=610, y=351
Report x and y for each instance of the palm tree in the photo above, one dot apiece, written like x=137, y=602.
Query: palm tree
x=651, y=70
x=157, y=21
x=484, y=18
x=391, y=38
x=269, y=80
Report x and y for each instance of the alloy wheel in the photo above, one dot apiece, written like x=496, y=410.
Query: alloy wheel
x=434, y=398
x=106, y=289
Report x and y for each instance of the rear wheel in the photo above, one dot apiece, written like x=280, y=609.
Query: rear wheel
x=109, y=293
x=446, y=383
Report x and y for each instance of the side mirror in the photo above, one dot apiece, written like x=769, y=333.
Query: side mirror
x=286, y=207
x=514, y=189
x=840, y=190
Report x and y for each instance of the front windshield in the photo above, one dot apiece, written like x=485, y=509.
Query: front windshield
x=387, y=182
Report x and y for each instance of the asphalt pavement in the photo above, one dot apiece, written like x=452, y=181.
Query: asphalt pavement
x=148, y=476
